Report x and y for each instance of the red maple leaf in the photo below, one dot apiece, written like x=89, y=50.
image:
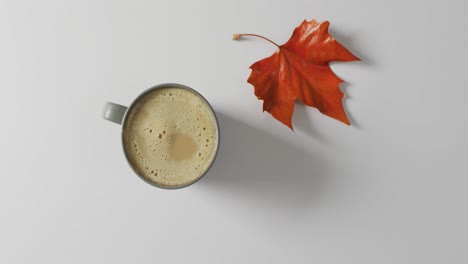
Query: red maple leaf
x=300, y=70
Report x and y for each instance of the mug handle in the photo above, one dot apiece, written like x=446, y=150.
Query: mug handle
x=114, y=112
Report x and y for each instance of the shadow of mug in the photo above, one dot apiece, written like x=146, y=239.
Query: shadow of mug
x=263, y=169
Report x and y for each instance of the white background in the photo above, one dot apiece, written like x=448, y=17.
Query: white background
x=392, y=188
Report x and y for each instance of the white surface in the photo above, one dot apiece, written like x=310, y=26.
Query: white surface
x=390, y=189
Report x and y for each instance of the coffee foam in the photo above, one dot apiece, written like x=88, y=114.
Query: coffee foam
x=170, y=137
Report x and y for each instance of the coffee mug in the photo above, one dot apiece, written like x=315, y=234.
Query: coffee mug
x=170, y=135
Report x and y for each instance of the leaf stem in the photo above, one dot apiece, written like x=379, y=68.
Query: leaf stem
x=237, y=36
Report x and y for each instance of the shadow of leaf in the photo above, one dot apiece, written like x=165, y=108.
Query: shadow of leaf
x=348, y=40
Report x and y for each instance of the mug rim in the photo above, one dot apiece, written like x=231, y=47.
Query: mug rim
x=142, y=95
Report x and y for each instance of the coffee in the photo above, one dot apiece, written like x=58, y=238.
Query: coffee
x=170, y=136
